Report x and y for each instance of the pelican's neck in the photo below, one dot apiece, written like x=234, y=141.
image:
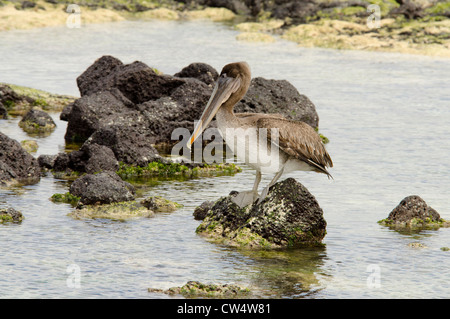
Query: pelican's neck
x=226, y=118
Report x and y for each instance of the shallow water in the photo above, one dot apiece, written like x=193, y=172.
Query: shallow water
x=387, y=117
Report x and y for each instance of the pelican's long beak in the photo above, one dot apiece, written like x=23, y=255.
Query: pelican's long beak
x=225, y=86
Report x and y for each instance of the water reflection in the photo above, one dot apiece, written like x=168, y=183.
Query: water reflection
x=282, y=273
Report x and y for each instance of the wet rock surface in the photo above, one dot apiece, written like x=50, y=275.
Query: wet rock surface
x=196, y=289
x=145, y=208
x=36, y=121
x=46, y=162
x=18, y=100
x=10, y=215
x=16, y=164
x=289, y=216
x=9, y=97
x=201, y=211
x=159, y=204
x=103, y=188
x=3, y=112
x=414, y=212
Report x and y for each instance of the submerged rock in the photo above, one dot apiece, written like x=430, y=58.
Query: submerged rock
x=30, y=146
x=159, y=204
x=289, y=216
x=8, y=97
x=117, y=211
x=37, y=121
x=103, y=188
x=10, y=215
x=195, y=289
x=165, y=168
x=413, y=212
x=19, y=99
x=67, y=198
x=16, y=164
x=122, y=210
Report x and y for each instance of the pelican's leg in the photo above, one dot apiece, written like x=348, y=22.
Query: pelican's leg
x=245, y=198
x=272, y=182
x=255, y=186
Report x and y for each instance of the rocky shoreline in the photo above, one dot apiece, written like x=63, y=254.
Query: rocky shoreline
x=124, y=112
x=411, y=26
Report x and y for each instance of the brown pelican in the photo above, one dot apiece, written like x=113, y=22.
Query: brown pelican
x=268, y=143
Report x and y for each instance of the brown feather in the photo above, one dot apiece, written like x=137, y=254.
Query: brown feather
x=299, y=140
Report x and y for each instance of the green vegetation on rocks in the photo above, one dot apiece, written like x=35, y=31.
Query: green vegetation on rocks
x=65, y=198
x=195, y=289
x=289, y=217
x=413, y=213
x=415, y=223
x=10, y=215
x=176, y=169
x=22, y=99
x=122, y=211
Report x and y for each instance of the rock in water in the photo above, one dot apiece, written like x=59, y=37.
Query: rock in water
x=103, y=188
x=10, y=215
x=195, y=289
x=37, y=121
x=16, y=164
x=413, y=211
x=289, y=216
x=3, y=112
x=201, y=211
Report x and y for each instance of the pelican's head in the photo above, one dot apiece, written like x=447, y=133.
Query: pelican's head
x=230, y=87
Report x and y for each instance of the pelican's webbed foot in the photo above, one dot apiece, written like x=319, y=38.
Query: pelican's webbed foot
x=245, y=198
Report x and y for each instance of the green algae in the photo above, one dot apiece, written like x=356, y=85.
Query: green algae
x=195, y=289
x=33, y=97
x=67, y=198
x=415, y=224
x=4, y=218
x=158, y=169
x=122, y=211
x=10, y=215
